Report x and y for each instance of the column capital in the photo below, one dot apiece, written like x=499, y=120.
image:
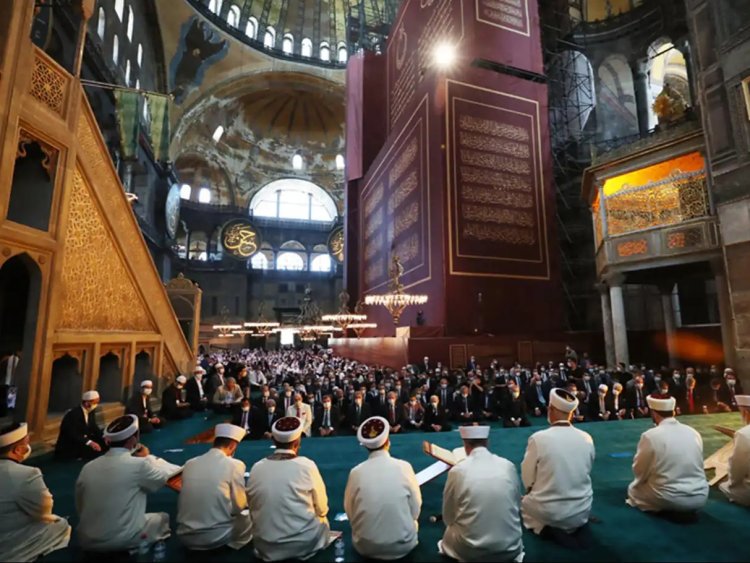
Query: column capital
x=614, y=279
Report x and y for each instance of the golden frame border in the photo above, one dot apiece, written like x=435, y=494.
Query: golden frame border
x=528, y=21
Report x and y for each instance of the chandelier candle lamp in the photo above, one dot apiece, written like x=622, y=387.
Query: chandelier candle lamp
x=396, y=300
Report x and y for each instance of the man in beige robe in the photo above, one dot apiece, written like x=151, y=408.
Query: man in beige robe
x=288, y=500
x=111, y=493
x=28, y=529
x=212, y=508
x=737, y=486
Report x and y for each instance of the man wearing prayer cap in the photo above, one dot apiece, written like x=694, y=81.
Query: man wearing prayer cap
x=212, y=508
x=195, y=387
x=79, y=436
x=382, y=498
x=174, y=405
x=288, y=500
x=668, y=464
x=737, y=486
x=28, y=529
x=481, y=504
x=140, y=406
x=111, y=494
x=556, y=472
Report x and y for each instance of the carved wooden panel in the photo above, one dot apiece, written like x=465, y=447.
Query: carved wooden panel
x=98, y=293
x=48, y=85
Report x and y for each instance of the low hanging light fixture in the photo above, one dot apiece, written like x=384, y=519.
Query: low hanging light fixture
x=396, y=301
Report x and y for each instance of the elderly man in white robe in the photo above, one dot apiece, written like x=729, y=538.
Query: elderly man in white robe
x=212, y=509
x=288, y=500
x=737, y=486
x=382, y=498
x=28, y=529
x=111, y=493
x=481, y=504
x=668, y=464
x=556, y=472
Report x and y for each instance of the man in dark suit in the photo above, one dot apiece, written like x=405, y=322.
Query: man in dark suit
x=636, y=399
x=435, y=417
x=730, y=389
x=393, y=413
x=445, y=393
x=488, y=403
x=472, y=365
x=676, y=386
x=689, y=400
x=537, y=395
x=714, y=399
x=413, y=413
x=266, y=418
x=514, y=409
x=79, y=436
x=379, y=402
x=600, y=406
x=194, y=388
x=358, y=412
x=140, y=406
x=326, y=418
x=424, y=367
x=260, y=401
x=245, y=417
x=464, y=409
x=173, y=401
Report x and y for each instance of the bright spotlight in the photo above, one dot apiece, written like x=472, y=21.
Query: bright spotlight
x=444, y=55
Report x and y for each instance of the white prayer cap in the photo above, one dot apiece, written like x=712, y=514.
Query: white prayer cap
x=218, y=365
x=14, y=435
x=90, y=396
x=230, y=431
x=199, y=369
x=660, y=402
x=373, y=432
x=563, y=400
x=181, y=379
x=603, y=387
x=742, y=400
x=146, y=383
x=287, y=429
x=474, y=432
x=119, y=430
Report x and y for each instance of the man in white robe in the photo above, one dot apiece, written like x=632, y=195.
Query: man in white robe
x=556, y=471
x=382, y=498
x=288, y=500
x=111, y=493
x=737, y=486
x=28, y=529
x=668, y=464
x=212, y=508
x=481, y=504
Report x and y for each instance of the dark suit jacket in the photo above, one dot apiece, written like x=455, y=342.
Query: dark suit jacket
x=683, y=402
x=431, y=417
x=169, y=399
x=446, y=397
x=135, y=406
x=193, y=395
x=398, y=414
x=532, y=398
x=593, y=415
x=351, y=416
x=335, y=416
x=265, y=421
x=631, y=397
x=459, y=407
x=253, y=422
x=514, y=408
x=75, y=432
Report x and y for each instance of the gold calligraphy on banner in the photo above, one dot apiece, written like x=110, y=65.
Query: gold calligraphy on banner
x=490, y=195
x=403, y=162
x=495, y=128
x=502, y=216
x=508, y=235
x=240, y=239
x=498, y=180
x=336, y=244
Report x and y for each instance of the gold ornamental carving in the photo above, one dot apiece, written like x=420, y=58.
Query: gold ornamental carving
x=240, y=239
x=336, y=244
x=98, y=292
x=48, y=85
x=180, y=282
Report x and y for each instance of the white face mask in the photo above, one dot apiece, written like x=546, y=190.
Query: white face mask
x=357, y=402
x=391, y=401
x=271, y=410
x=147, y=391
x=25, y=456
x=245, y=409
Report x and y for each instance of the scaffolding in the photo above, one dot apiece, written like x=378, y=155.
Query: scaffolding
x=369, y=23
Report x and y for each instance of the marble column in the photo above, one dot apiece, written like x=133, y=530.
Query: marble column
x=640, y=84
x=683, y=46
x=665, y=289
x=619, y=326
x=725, y=311
x=609, y=338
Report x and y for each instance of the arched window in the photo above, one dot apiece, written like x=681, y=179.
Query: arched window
x=297, y=162
x=292, y=198
x=306, y=47
x=667, y=67
x=139, y=58
x=120, y=8
x=290, y=261
x=185, y=191
x=233, y=15
x=259, y=262
x=215, y=248
x=204, y=196
x=340, y=162
x=198, y=247
x=251, y=29
x=325, y=51
x=269, y=39
x=215, y=6
x=287, y=45
x=131, y=23
x=343, y=53
x=321, y=263
x=115, y=49
x=127, y=73
x=101, y=25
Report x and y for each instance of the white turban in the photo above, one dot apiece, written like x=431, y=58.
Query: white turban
x=147, y=382
x=90, y=396
x=373, y=432
x=563, y=400
x=181, y=379
x=661, y=403
x=230, y=431
x=14, y=436
x=474, y=432
x=287, y=429
x=125, y=433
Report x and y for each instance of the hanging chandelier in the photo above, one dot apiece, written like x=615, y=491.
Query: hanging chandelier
x=360, y=328
x=396, y=300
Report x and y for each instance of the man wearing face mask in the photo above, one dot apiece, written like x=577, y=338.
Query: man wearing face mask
x=636, y=399
x=556, y=473
x=80, y=436
x=537, y=395
x=28, y=529
x=265, y=394
x=358, y=412
x=514, y=410
x=246, y=419
x=140, y=406
x=327, y=418
x=196, y=395
x=600, y=407
x=619, y=405
x=435, y=417
x=464, y=409
x=303, y=412
x=212, y=508
x=173, y=401
x=287, y=400
x=730, y=389
x=676, y=387
x=267, y=417
x=577, y=415
x=111, y=494
x=392, y=412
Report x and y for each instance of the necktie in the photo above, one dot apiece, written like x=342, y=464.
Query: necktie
x=466, y=406
x=443, y=398
x=299, y=412
x=638, y=397
x=244, y=420
x=690, y=399
x=326, y=421
x=357, y=413
x=393, y=415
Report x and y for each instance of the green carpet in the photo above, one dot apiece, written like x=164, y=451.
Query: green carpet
x=622, y=533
